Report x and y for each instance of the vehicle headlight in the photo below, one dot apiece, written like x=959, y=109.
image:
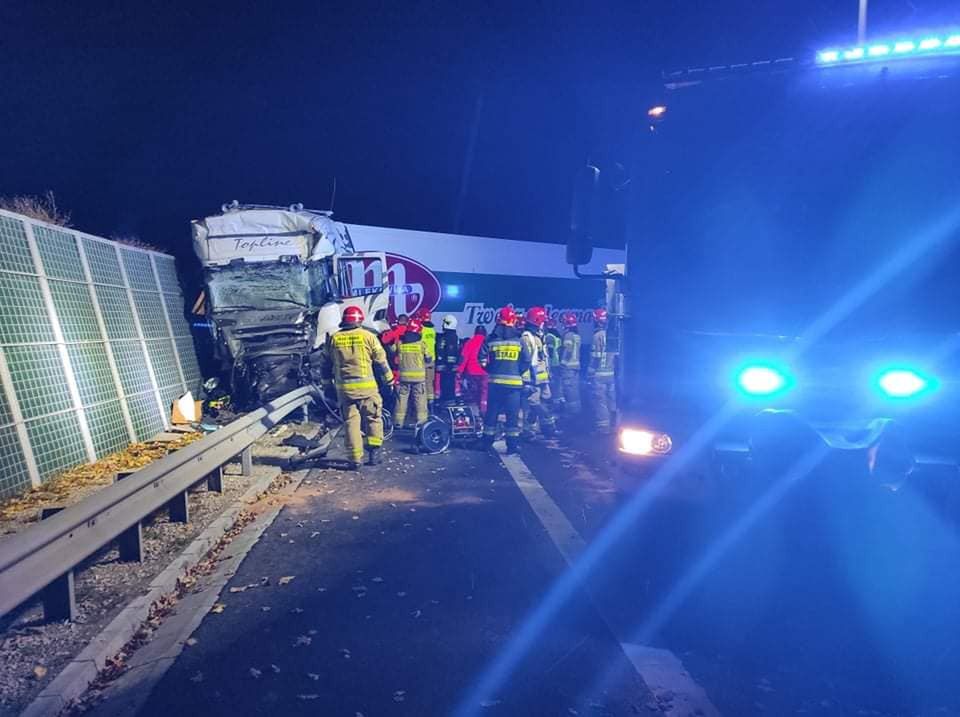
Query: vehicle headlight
x=639, y=442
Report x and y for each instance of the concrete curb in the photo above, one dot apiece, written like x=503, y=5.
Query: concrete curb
x=79, y=673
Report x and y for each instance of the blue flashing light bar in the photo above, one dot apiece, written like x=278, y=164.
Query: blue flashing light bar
x=922, y=47
x=762, y=380
x=904, y=382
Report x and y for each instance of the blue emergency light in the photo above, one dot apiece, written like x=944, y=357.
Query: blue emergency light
x=904, y=382
x=926, y=46
x=762, y=380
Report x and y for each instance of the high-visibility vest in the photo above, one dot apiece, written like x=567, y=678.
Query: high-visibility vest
x=429, y=337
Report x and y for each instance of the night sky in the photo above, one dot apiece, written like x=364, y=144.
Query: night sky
x=141, y=116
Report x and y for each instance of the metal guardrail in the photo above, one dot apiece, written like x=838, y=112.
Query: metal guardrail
x=42, y=559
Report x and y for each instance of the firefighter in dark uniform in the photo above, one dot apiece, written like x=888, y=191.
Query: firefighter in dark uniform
x=507, y=362
x=352, y=357
x=553, y=344
x=448, y=358
x=570, y=363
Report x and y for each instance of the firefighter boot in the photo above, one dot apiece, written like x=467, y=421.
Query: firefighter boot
x=513, y=445
x=375, y=456
x=354, y=465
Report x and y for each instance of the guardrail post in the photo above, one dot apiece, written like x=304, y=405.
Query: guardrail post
x=246, y=461
x=179, y=508
x=130, y=544
x=59, y=599
x=215, y=480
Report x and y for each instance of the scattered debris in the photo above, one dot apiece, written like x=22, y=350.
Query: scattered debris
x=307, y=697
x=313, y=676
x=399, y=695
x=39, y=672
x=198, y=677
x=286, y=579
x=255, y=673
x=218, y=607
x=302, y=640
x=190, y=641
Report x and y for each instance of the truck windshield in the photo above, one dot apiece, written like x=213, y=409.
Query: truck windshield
x=769, y=198
x=265, y=286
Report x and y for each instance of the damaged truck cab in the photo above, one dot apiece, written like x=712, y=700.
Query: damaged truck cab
x=277, y=280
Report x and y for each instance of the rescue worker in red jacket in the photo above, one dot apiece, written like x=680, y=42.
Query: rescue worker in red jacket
x=448, y=356
x=602, y=375
x=507, y=362
x=352, y=359
x=536, y=405
x=472, y=374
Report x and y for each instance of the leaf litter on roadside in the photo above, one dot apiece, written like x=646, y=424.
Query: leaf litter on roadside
x=286, y=579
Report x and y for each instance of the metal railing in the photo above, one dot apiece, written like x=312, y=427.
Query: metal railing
x=42, y=559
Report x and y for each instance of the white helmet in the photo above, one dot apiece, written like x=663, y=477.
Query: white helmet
x=449, y=321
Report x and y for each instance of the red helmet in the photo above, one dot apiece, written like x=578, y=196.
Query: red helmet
x=415, y=326
x=537, y=316
x=551, y=323
x=352, y=315
x=569, y=320
x=600, y=316
x=424, y=315
x=507, y=316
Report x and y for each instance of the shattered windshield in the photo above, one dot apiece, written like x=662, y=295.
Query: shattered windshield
x=267, y=286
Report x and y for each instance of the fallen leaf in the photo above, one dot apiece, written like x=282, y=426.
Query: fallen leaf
x=321, y=590
x=197, y=677
x=313, y=676
x=417, y=613
x=489, y=703
x=190, y=641
x=255, y=673
x=307, y=697
x=311, y=632
x=218, y=607
x=377, y=580
x=296, y=610
x=265, y=608
x=345, y=652
x=39, y=672
x=399, y=695
x=276, y=670
x=302, y=640
x=238, y=590
x=286, y=579
x=356, y=517
x=314, y=534
x=401, y=594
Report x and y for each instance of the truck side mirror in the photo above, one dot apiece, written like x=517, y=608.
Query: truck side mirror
x=580, y=241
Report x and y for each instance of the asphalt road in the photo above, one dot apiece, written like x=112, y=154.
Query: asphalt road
x=434, y=585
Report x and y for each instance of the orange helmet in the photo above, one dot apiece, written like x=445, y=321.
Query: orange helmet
x=569, y=319
x=507, y=316
x=600, y=316
x=352, y=315
x=537, y=316
x=415, y=326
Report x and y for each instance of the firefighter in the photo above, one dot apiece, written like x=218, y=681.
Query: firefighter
x=553, y=343
x=570, y=363
x=412, y=374
x=352, y=357
x=448, y=356
x=602, y=375
x=536, y=405
x=430, y=341
x=507, y=362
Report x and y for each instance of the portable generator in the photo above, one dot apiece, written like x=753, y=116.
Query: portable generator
x=456, y=423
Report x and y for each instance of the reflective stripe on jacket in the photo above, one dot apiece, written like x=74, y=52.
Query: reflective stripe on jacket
x=429, y=336
x=505, y=358
x=538, y=359
x=413, y=361
x=351, y=356
x=552, y=343
x=570, y=354
x=601, y=362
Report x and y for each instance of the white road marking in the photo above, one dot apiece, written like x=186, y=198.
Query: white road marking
x=676, y=691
